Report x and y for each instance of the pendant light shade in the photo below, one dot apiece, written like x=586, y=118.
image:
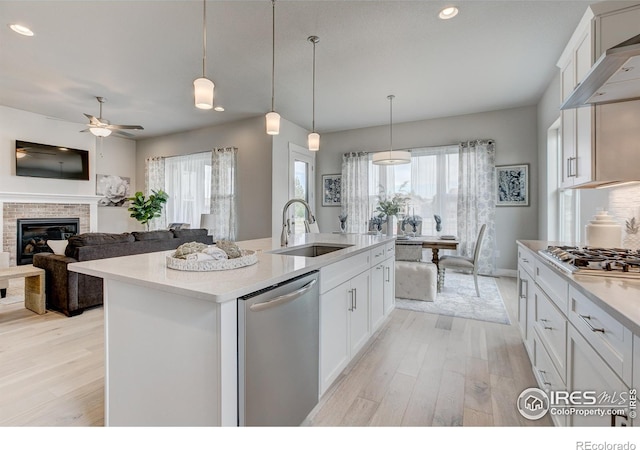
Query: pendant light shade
x=391, y=157
x=272, y=117
x=314, y=138
x=203, y=87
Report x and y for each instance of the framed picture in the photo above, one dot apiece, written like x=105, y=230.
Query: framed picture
x=331, y=190
x=114, y=190
x=513, y=185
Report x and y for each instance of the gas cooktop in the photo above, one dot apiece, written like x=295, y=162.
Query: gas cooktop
x=613, y=262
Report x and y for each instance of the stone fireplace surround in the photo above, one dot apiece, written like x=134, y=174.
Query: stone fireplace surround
x=16, y=206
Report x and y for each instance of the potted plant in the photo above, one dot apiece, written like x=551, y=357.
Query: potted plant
x=144, y=209
x=388, y=207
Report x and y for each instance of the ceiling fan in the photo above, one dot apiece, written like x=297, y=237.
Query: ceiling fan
x=102, y=127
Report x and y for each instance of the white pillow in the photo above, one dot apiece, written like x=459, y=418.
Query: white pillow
x=58, y=246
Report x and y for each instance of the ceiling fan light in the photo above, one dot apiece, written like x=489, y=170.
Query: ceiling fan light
x=392, y=158
x=21, y=29
x=448, y=13
x=203, y=90
x=273, y=123
x=314, y=142
x=100, y=132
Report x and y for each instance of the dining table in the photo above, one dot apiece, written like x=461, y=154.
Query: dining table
x=435, y=243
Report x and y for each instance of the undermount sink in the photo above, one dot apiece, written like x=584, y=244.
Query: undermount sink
x=310, y=251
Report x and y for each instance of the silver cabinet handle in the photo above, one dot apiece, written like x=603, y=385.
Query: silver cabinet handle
x=283, y=298
x=351, y=308
x=587, y=320
x=522, y=291
x=544, y=379
x=544, y=321
x=388, y=274
x=355, y=299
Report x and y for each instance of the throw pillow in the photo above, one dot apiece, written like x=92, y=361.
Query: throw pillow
x=58, y=246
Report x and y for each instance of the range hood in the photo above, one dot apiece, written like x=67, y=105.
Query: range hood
x=615, y=77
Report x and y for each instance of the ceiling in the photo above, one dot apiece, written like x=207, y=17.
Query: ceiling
x=143, y=56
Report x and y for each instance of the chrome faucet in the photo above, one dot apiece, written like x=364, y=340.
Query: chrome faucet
x=286, y=228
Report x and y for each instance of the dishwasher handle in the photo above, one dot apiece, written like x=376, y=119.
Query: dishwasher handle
x=283, y=298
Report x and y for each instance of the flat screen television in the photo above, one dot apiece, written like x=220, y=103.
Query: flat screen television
x=49, y=161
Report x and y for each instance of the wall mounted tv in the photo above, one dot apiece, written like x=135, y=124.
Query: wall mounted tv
x=49, y=161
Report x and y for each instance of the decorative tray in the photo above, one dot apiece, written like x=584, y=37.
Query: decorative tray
x=248, y=258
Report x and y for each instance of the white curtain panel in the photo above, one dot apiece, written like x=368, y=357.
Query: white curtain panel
x=154, y=180
x=223, y=193
x=355, y=191
x=188, y=183
x=477, y=200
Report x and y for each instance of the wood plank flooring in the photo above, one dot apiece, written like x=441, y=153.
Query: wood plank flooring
x=418, y=370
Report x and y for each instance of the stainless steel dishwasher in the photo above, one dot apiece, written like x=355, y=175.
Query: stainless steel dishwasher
x=278, y=353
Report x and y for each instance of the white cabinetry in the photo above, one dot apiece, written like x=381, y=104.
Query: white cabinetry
x=356, y=294
x=526, y=304
x=598, y=142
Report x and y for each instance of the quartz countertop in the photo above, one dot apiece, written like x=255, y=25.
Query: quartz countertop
x=619, y=297
x=150, y=270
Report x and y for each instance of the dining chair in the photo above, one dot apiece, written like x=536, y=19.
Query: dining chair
x=463, y=262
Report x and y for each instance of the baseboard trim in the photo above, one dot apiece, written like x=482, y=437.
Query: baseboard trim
x=506, y=273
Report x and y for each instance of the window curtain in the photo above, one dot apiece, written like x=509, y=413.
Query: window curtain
x=477, y=200
x=355, y=191
x=188, y=183
x=223, y=203
x=154, y=181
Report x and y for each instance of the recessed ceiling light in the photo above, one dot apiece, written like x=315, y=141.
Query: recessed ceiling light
x=448, y=12
x=21, y=29
x=219, y=108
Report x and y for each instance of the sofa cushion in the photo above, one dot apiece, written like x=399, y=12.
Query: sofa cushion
x=190, y=233
x=152, y=235
x=91, y=239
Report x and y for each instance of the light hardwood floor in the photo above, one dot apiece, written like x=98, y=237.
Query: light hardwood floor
x=418, y=370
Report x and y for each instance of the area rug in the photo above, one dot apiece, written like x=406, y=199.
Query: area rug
x=15, y=292
x=458, y=299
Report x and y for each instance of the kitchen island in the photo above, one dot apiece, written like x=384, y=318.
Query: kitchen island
x=171, y=337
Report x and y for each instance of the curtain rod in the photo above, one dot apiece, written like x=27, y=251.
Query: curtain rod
x=215, y=149
x=402, y=149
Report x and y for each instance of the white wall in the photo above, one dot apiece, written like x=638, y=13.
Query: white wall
x=254, y=166
x=117, y=157
x=514, y=131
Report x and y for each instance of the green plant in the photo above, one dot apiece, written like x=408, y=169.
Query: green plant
x=143, y=210
x=632, y=226
x=394, y=205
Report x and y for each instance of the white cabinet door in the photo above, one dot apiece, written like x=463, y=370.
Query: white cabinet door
x=377, y=296
x=525, y=286
x=359, y=329
x=588, y=372
x=583, y=116
x=389, y=284
x=334, y=333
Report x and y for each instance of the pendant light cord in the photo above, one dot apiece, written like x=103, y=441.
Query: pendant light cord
x=390, y=97
x=314, y=40
x=204, y=37
x=273, y=53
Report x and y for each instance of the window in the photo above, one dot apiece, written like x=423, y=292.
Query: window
x=188, y=180
x=432, y=181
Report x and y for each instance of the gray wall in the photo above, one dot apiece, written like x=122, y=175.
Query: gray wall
x=254, y=166
x=514, y=131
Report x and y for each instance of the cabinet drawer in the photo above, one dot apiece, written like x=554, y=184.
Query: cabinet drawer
x=377, y=255
x=390, y=249
x=341, y=271
x=526, y=259
x=546, y=374
x=553, y=284
x=551, y=326
x=608, y=337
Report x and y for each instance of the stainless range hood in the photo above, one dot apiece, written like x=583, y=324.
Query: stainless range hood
x=615, y=77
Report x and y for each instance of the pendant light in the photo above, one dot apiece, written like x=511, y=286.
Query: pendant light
x=391, y=157
x=272, y=117
x=314, y=138
x=203, y=87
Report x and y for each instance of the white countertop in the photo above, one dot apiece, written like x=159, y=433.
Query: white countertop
x=620, y=297
x=150, y=270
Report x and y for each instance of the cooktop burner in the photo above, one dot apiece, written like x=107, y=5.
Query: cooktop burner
x=595, y=261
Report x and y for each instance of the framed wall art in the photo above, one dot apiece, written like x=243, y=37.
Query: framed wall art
x=331, y=190
x=513, y=185
x=114, y=190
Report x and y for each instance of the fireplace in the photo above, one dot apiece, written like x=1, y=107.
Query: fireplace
x=33, y=235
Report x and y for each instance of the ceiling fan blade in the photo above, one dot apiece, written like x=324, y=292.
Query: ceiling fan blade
x=123, y=134
x=93, y=120
x=84, y=131
x=125, y=127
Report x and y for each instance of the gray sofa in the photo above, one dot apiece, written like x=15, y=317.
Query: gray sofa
x=71, y=292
